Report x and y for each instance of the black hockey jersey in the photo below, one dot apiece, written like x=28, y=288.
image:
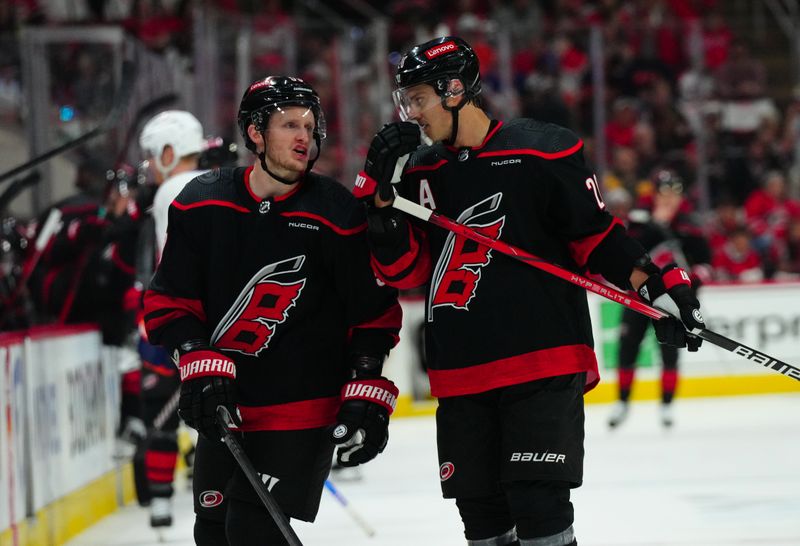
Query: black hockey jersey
x=492, y=321
x=282, y=285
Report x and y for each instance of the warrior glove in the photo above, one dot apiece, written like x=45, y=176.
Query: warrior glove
x=207, y=381
x=671, y=290
x=392, y=142
x=362, y=424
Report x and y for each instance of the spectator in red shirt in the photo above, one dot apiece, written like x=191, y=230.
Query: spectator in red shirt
x=769, y=210
x=737, y=260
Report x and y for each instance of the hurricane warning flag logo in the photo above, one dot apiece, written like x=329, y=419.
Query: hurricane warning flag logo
x=263, y=304
x=459, y=268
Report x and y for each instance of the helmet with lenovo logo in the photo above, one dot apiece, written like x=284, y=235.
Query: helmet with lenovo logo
x=437, y=63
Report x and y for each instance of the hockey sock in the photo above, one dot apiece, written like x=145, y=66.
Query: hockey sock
x=159, y=462
x=485, y=518
x=625, y=383
x=541, y=509
x=669, y=381
x=251, y=525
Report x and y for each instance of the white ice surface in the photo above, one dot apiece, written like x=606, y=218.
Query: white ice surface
x=727, y=474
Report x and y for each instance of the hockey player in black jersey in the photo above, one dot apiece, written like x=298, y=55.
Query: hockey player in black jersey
x=509, y=347
x=266, y=298
x=671, y=235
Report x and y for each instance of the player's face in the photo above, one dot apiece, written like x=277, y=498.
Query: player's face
x=421, y=104
x=290, y=139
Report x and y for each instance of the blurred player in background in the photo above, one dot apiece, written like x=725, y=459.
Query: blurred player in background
x=670, y=233
x=171, y=143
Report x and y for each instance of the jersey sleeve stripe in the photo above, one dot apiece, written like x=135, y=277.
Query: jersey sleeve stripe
x=154, y=323
x=582, y=248
x=537, y=153
x=209, y=203
x=120, y=263
x=427, y=167
x=390, y=320
x=403, y=262
x=155, y=303
x=322, y=219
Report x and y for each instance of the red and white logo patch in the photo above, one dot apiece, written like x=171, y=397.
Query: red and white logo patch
x=264, y=303
x=441, y=49
x=446, y=471
x=210, y=498
x=458, y=271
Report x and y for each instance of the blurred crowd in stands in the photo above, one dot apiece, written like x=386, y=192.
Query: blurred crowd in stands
x=712, y=109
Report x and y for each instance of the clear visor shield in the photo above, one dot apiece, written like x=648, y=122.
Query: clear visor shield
x=413, y=101
x=304, y=115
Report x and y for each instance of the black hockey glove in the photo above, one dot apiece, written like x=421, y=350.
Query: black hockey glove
x=362, y=424
x=207, y=381
x=671, y=290
x=392, y=142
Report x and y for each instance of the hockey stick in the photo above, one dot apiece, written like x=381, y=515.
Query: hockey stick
x=146, y=111
x=224, y=422
x=360, y=521
x=168, y=409
x=16, y=187
x=598, y=288
x=123, y=96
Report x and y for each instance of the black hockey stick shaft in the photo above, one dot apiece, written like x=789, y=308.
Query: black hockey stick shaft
x=598, y=288
x=168, y=410
x=146, y=111
x=224, y=422
x=123, y=96
x=16, y=187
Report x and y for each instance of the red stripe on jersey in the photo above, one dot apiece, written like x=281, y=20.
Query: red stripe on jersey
x=120, y=263
x=537, y=153
x=209, y=203
x=427, y=167
x=158, y=322
x=334, y=227
x=516, y=369
x=153, y=302
x=160, y=370
x=316, y=413
x=291, y=192
x=582, y=248
x=418, y=276
x=486, y=139
x=402, y=263
x=391, y=319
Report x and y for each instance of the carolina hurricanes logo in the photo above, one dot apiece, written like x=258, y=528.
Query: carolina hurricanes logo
x=264, y=303
x=446, y=470
x=458, y=271
x=210, y=498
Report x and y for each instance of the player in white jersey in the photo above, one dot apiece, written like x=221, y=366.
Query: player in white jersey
x=171, y=142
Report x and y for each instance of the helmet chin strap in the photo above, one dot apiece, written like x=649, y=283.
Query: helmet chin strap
x=262, y=157
x=454, y=113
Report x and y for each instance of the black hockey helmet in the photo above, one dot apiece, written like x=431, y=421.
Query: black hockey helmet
x=265, y=96
x=438, y=61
